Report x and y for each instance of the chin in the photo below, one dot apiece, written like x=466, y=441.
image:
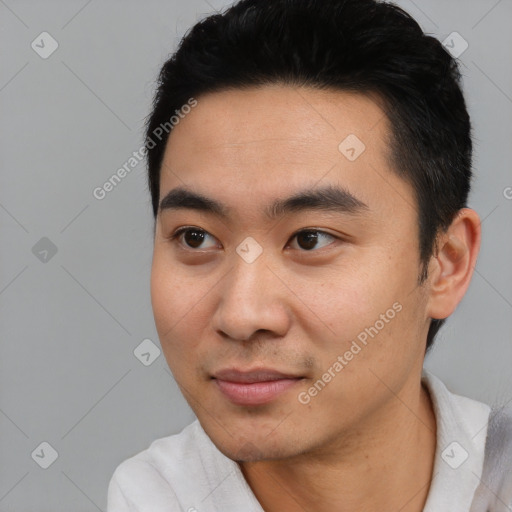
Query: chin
x=252, y=444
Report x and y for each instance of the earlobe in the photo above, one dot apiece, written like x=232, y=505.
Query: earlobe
x=453, y=264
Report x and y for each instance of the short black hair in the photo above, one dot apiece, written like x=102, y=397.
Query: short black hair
x=364, y=46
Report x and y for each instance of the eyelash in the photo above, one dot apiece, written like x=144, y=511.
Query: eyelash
x=176, y=235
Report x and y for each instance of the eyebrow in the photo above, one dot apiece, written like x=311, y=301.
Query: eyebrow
x=328, y=198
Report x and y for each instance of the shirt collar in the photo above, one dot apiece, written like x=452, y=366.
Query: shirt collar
x=461, y=435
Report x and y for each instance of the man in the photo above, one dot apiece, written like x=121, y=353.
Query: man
x=309, y=167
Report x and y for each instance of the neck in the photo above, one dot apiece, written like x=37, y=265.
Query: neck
x=386, y=465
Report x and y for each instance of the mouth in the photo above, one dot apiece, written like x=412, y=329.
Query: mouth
x=254, y=387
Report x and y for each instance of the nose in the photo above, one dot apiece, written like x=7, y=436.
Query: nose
x=253, y=298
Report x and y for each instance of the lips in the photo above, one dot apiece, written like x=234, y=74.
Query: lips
x=257, y=375
x=253, y=387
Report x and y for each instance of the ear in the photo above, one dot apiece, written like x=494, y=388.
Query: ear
x=451, y=267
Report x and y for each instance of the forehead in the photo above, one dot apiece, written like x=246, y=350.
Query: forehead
x=272, y=140
x=293, y=113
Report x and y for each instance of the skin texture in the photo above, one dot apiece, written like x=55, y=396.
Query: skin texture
x=367, y=440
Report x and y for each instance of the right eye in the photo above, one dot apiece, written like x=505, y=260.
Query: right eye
x=190, y=238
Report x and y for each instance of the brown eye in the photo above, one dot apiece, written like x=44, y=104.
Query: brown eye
x=308, y=239
x=192, y=237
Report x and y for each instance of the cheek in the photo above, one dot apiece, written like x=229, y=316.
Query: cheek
x=345, y=298
x=373, y=354
x=177, y=303
x=369, y=309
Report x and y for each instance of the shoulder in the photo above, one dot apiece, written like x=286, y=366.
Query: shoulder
x=159, y=476
x=498, y=456
x=494, y=493
x=165, y=455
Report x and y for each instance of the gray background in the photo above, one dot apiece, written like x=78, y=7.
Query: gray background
x=70, y=324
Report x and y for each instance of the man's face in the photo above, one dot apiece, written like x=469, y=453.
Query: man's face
x=332, y=302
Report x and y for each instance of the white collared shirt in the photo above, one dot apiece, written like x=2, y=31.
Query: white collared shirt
x=186, y=472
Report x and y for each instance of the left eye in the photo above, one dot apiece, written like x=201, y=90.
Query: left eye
x=308, y=239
